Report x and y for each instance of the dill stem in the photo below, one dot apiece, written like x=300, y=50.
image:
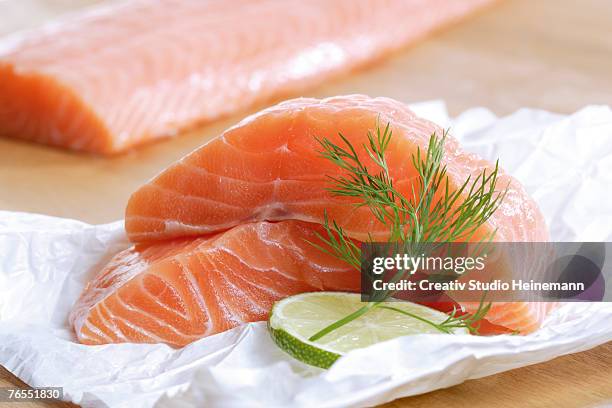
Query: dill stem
x=345, y=320
x=365, y=309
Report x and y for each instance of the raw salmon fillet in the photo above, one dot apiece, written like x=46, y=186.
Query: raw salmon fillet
x=181, y=290
x=268, y=167
x=122, y=75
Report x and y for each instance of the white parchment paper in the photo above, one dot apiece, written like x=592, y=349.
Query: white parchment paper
x=565, y=162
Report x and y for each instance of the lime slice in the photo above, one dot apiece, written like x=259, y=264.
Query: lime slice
x=295, y=319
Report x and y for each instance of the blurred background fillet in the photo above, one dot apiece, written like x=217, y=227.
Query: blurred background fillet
x=126, y=73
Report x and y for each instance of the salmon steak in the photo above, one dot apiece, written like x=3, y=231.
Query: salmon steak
x=268, y=170
x=269, y=167
x=125, y=74
x=178, y=291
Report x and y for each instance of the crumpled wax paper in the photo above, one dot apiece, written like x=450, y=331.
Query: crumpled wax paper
x=565, y=162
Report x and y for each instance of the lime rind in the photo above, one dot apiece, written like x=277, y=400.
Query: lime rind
x=306, y=353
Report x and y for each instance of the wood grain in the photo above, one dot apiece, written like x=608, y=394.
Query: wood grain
x=550, y=54
x=9, y=380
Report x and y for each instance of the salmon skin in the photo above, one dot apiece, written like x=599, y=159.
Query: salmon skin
x=178, y=291
x=123, y=75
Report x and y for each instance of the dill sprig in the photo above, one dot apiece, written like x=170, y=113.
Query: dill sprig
x=432, y=212
x=455, y=319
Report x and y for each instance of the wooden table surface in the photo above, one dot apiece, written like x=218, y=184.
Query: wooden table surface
x=550, y=54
